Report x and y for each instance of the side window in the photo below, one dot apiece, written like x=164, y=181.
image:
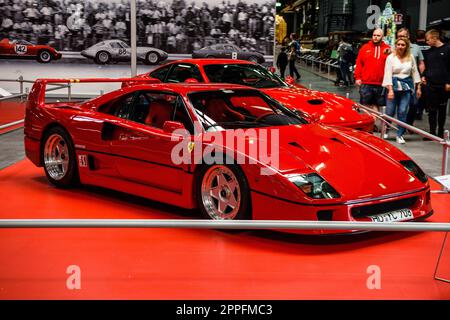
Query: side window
x=119, y=107
x=182, y=72
x=160, y=73
x=230, y=48
x=115, y=45
x=155, y=108
x=219, y=48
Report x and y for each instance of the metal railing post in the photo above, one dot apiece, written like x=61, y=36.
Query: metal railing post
x=69, y=91
x=20, y=83
x=445, y=152
x=383, y=123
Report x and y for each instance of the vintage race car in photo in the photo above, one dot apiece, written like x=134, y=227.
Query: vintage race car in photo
x=108, y=51
x=147, y=140
x=228, y=51
x=21, y=49
x=327, y=108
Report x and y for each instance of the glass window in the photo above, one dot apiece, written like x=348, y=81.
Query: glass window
x=218, y=47
x=115, y=45
x=234, y=109
x=230, y=48
x=119, y=107
x=244, y=74
x=160, y=73
x=182, y=72
x=155, y=108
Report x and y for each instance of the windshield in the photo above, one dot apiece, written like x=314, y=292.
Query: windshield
x=238, y=109
x=251, y=75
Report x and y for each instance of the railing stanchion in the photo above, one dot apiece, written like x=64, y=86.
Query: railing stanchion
x=445, y=152
x=69, y=91
x=383, y=123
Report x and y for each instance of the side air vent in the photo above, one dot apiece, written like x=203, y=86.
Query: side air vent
x=315, y=102
x=295, y=144
x=338, y=141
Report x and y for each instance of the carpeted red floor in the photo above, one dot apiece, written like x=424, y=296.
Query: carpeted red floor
x=197, y=264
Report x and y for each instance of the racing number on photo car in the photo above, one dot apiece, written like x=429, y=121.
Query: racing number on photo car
x=122, y=52
x=20, y=49
x=234, y=55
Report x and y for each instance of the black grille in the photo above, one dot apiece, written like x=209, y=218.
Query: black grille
x=364, y=211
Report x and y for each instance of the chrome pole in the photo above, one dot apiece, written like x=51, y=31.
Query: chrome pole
x=445, y=145
x=133, y=38
x=383, y=123
x=69, y=91
x=224, y=224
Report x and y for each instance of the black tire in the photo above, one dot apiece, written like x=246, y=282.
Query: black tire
x=70, y=176
x=244, y=210
x=102, y=57
x=44, y=56
x=149, y=58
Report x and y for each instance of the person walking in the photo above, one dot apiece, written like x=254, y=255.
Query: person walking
x=437, y=79
x=369, y=71
x=402, y=79
x=345, y=51
x=416, y=52
x=282, y=61
x=294, y=49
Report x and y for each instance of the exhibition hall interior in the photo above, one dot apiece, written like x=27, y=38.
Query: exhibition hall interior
x=224, y=150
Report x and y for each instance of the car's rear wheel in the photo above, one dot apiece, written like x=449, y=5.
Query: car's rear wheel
x=102, y=57
x=253, y=59
x=223, y=193
x=44, y=56
x=58, y=158
x=152, y=58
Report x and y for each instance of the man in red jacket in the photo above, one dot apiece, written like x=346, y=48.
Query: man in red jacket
x=369, y=71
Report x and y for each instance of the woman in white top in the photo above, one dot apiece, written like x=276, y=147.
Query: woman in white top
x=402, y=80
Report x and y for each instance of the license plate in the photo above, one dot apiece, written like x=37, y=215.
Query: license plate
x=398, y=215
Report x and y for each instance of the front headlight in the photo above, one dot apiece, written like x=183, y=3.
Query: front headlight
x=314, y=186
x=415, y=169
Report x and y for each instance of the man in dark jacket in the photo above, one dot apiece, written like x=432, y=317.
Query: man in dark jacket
x=437, y=79
x=282, y=61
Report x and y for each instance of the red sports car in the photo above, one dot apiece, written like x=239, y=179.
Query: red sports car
x=328, y=108
x=14, y=49
x=229, y=150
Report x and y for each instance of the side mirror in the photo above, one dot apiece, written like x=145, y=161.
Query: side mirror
x=171, y=126
x=289, y=80
x=272, y=69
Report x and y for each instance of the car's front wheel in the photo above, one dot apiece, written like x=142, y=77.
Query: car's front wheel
x=44, y=56
x=223, y=193
x=58, y=158
x=102, y=57
x=152, y=58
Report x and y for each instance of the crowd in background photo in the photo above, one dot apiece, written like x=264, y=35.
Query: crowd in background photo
x=175, y=26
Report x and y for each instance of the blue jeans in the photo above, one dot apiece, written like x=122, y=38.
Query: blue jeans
x=400, y=103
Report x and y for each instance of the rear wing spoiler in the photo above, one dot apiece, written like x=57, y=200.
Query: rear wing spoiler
x=37, y=93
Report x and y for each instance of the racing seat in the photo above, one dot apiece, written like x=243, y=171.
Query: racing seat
x=218, y=110
x=160, y=112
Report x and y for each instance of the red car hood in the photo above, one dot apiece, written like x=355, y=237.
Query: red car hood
x=326, y=107
x=358, y=165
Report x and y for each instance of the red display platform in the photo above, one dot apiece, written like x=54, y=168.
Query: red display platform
x=197, y=264
x=10, y=112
